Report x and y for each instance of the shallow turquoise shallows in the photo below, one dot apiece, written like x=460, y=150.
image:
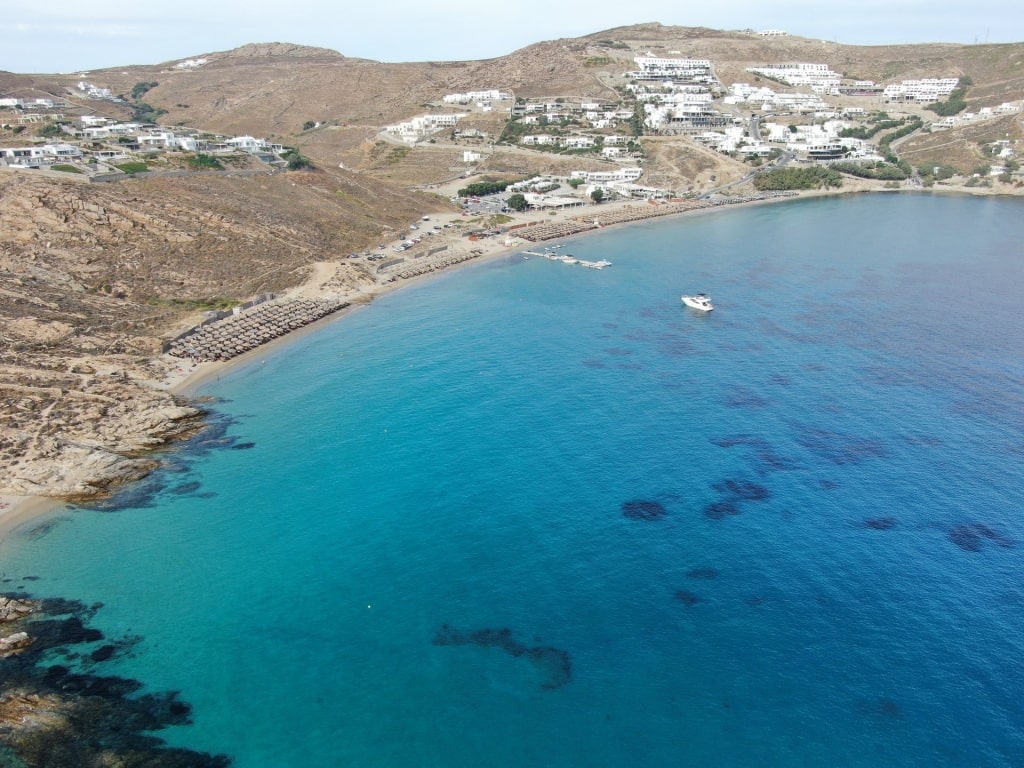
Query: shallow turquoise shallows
x=531, y=514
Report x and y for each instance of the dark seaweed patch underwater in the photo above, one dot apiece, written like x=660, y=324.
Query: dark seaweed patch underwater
x=644, y=510
x=554, y=664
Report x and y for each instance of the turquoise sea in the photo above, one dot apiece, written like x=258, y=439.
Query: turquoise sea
x=531, y=514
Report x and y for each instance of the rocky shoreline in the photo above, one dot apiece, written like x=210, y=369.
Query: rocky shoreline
x=51, y=716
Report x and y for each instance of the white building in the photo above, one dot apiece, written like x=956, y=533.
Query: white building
x=659, y=68
x=93, y=92
x=926, y=90
x=422, y=126
x=39, y=156
x=608, y=177
x=157, y=140
x=578, y=142
x=467, y=98
x=818, y=76
x=536, y=139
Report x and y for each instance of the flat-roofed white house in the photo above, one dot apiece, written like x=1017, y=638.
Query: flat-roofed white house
x=411, y=131
x=608, y=177
x=253, y=145
x=544, y=201
x=157, y=140
x=39, y=156
x=578, y=142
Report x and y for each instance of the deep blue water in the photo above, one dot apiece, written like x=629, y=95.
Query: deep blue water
x=832, y=461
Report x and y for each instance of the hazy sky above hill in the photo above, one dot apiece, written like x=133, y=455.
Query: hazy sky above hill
x=66, y=36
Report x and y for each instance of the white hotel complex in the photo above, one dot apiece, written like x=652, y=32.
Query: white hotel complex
x=819, y=77
x=466, y=98
x=927, y=90
x=420, y=127
x=656, y=68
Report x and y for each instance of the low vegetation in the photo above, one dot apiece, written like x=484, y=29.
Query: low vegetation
x=140, y=89
x=296, y=161
x=881, y=171
x=132, y=167
x=480, y=188
x=203, y=162
x=955, y=104
x=780, y=179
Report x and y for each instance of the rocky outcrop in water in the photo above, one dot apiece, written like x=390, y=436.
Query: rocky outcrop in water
x=53, y=716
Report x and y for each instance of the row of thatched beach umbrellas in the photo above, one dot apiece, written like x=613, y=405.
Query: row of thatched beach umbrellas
x=422, y=269
x=247, y=330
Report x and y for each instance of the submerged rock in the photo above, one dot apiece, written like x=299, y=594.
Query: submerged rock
x=743, y=489
x=643, y=510
x=720, y=509
x=702, y=573
x=880, y=523
x=687, y=598
x=971, y=537
x=554, y=664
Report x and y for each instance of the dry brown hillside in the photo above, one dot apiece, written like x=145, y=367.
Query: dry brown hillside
x=94, y=276
x=960, y=149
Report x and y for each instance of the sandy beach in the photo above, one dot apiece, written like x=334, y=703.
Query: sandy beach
x=183, y=377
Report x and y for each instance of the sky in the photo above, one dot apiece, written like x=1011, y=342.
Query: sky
x=72, y=36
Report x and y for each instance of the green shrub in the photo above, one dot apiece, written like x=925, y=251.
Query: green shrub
x=139, y=89
x=296, y=160
x=201, y=161
x=133, y=167
x=480, y=188
x=798, y=178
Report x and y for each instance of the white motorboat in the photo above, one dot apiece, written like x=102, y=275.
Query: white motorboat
x=699, y=301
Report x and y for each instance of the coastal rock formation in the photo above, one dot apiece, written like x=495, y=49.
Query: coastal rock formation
x=53, y=716
x=11, y=644
x=83, y=436
x=12, y=609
